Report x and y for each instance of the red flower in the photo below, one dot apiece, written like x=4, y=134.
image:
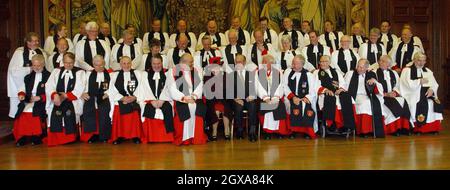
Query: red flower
x=215, y=60
x=264, y=52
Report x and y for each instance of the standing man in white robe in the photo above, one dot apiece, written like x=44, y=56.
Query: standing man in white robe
x=230, y=51
x=156, y=33
x=331, y=38
x=218, y=39
x=105, y=34
x=243, y=35
x=314, y=51
x=372, y=50
x=126, y=48
x=19, y=67
x=345, y=59
x=286, y=53
x=387, y=38
x=270, y=36
x=298, y=40
x=402, y=53
x=56, y=59
x=257, y=50
x=182, y=29
x=88, y=48
x=174, y=54
x=60, y=31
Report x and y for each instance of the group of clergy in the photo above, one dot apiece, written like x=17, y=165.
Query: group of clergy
x=177, y=89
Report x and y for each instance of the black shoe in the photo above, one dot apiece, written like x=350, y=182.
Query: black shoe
x=435, y=133
x=137, y=140
x=21, y=142
x=116, y=142
x=267, y=137
x=93, y=139
x=214, y=138
x=35, y=140
x=227, y=138
x=292, y=136
x=307, y=137
x=396, y=134
x=280, y=136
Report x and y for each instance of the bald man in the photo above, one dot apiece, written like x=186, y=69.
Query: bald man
x=105, y=34
x=358, y=36
x=243, y=35
x=156, y=33
x=182, y=28
x=345, y=58
x=174, y=54
x=403, y=52
x=217, y=39
x=297, y=39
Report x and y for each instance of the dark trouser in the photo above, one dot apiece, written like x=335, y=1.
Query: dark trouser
x=252, y=116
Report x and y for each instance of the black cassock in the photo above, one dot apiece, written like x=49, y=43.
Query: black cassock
x=298, y=116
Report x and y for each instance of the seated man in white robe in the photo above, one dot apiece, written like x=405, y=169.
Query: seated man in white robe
x=97, y=112
x=182, y=29
x=344, y=59
x=419, y=87
x=19, y=67
x=269, y=87
x=56, y=59
x=368, y=95
x=218, y=39
x=64, y=108
x=155, y=49
x=126, y=48
x=314, y=51
x=396, y=110
x=157, y=111
x=86, y=49
x=416, y=40
x=258, y=49
x=300, y=88
x=31, y=114
x=60, y=31
x=372, y=50
x=182, y=47
x=334, y=101
x=186, y=88
x=286, y=53
x=125, y=89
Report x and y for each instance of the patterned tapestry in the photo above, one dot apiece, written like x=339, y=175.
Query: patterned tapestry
x=344, y=13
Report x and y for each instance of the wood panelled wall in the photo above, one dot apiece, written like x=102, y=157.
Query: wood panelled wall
x=17, y=17
x=430, y=21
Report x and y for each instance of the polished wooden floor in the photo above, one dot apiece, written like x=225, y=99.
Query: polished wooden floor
x=406, y=152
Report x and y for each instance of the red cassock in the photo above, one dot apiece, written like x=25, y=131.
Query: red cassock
x=126, y=126
x=59, y=138
x=154, y=131
x=27, y=125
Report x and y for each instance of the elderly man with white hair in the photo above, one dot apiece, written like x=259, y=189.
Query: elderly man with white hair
x=300, y=88
x=395, y=108
x=269, y=88
x=287, y=53
x=230, y=51
x=419, y=87
x=345, y=58
x=334, y=101
x=88, y=48
x=367, y=92
x=96, y=120
x=126, y=48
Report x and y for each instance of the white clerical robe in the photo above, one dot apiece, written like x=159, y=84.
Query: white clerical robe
x=156, y=35
x=233, y=51
x=198, y=59
x=347, y=57
x=311, y=96
x=50, y=88
x=310, y=66
x=363, y=53
x=49, y=45
x=100, y=78
x=79, y=53
x=176, y=95
x=223, y=41
x=126, y=51
x=149, y=94
x=362, y=100
x=410, y=90
x=321, y=97
x=273, y=36
x=332, y=37
x=269, y=122
x=141, y=66
x=173, y=43
x=170, y=53
x=15, y=76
